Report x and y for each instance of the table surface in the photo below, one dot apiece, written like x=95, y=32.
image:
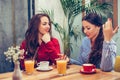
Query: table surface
x=73, y=73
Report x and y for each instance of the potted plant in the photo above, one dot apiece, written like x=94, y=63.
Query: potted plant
x=71, y=9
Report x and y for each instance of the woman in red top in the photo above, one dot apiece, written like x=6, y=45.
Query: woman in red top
x=38, y=40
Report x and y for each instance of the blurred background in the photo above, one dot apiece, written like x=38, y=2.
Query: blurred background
x=66, y=16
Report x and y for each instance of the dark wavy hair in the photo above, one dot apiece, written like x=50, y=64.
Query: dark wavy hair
x=96, y=53
x=31, y=35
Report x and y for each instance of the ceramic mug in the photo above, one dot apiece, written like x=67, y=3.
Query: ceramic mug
x=88, y=67
x=43, y=64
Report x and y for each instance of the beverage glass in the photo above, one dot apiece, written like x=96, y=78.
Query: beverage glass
x=61, y=66
x=117, y=64
x=29, y=66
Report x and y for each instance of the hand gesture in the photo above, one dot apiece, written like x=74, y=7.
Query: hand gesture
x=21, y=56
x=63, y=57
x=46, y=37
x=108, y=31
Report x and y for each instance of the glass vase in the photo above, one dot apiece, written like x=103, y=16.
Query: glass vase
x=17, y=75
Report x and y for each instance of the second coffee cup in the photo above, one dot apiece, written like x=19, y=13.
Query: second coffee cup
x=43, y=65
x=88, y=67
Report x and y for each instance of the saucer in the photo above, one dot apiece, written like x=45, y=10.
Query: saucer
x=88, y=72
x=42, y=69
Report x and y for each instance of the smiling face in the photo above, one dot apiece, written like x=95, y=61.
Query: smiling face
x=90, y=30
x=44, y=26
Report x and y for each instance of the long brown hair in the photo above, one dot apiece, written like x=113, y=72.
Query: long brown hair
x=96, y=52
x=31, y=35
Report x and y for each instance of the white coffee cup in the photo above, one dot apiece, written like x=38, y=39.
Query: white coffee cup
x=43, y=65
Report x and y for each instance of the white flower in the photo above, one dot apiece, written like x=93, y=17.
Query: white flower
x=14, y=54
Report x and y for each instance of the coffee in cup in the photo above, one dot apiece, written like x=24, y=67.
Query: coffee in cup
x=43, y=65
x=87, y=67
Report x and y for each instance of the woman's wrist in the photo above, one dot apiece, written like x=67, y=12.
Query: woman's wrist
x=68, y=62
x=107, y=41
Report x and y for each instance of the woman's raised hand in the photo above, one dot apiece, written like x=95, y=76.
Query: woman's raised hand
x=108, y=30
x=46, y=37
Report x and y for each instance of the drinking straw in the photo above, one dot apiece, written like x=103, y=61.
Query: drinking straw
x=35, y=53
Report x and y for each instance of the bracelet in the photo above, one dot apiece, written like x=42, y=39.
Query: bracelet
x=107, y=41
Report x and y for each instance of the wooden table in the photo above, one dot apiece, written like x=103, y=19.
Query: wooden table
x=73, y=73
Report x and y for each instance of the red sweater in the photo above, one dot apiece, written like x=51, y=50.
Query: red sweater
x=46, y=52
